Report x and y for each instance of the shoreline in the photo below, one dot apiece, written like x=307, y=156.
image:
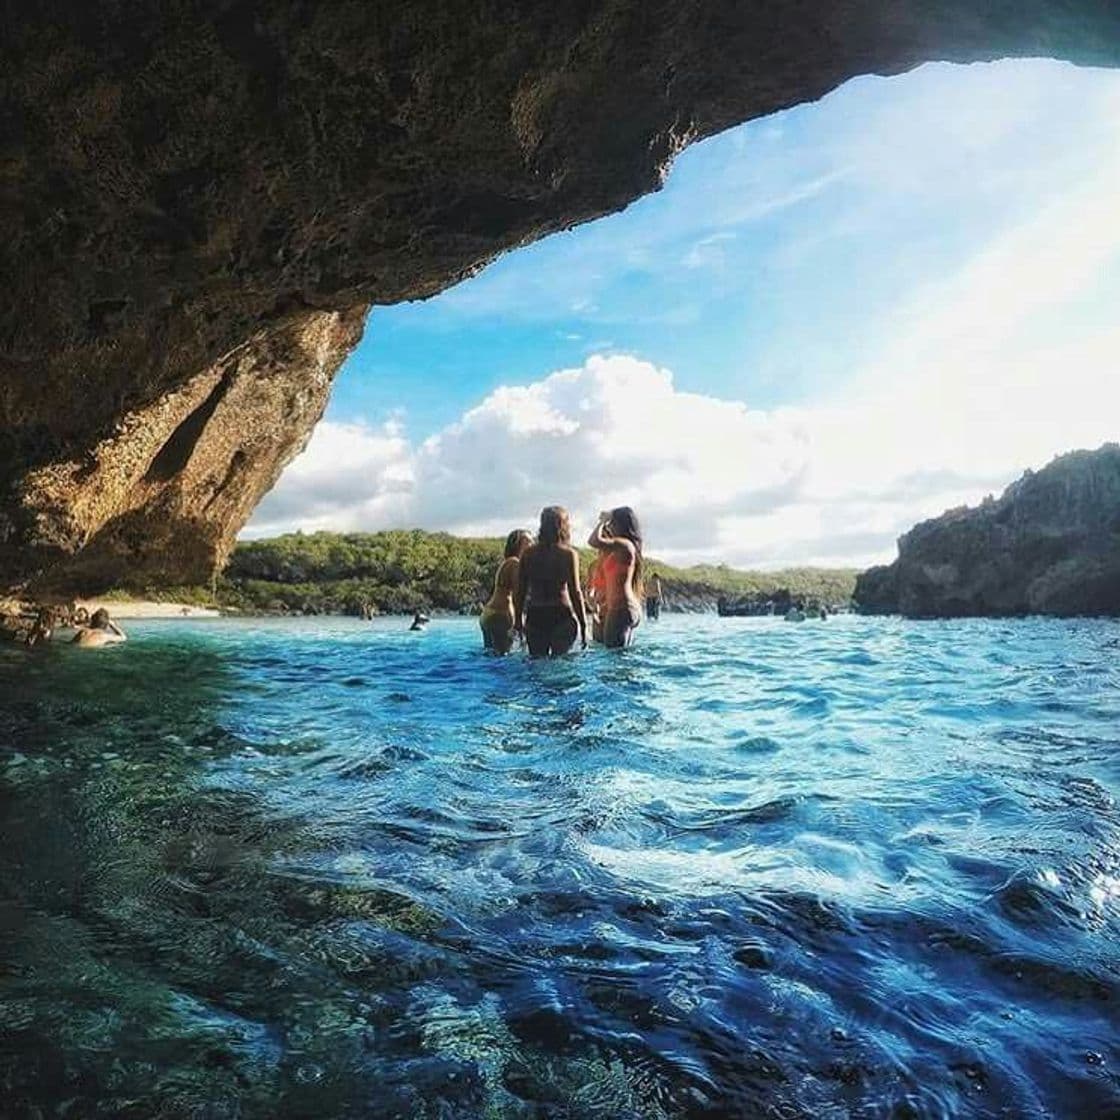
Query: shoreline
x=126, y=609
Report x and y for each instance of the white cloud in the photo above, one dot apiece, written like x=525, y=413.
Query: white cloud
x=1004, y=363
x=613, y=431
x=351, y=476
x=995, y=362
x=712, y=479
x=708, y=252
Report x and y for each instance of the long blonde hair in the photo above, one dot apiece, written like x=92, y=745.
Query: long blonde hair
x=556, y=527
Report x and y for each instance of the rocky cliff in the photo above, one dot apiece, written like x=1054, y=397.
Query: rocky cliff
x=202, y=198
x=1049, y=545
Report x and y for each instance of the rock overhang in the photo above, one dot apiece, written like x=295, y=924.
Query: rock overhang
x=202, y=200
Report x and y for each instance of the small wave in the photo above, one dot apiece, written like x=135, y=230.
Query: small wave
x=739, y=871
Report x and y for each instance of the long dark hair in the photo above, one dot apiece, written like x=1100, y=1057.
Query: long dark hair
x=624, y=523
x=555, y=526
x=517, y=542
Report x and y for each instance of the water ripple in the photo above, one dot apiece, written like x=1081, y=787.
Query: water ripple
x=863, y=868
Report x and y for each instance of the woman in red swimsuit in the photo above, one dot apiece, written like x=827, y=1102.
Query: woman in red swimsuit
x=618, y=539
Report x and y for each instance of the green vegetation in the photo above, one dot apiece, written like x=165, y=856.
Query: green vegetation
x=192, y=596
x=345, y=573
x=399, y=571
x=820, y=585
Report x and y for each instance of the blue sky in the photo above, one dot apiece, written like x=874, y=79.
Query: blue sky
x=926, y=250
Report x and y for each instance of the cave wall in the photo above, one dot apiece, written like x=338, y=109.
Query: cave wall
x=202, y=198
x=168, y=489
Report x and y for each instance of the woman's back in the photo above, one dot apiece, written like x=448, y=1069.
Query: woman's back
x=505, y=584
x=547, y=568
x=549, y=600
x=618, y=576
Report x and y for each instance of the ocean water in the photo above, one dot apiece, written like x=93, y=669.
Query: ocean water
x=862, y=868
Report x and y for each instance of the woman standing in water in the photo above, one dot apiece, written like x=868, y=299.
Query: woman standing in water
x=496, y=619
x=618, y=539
x=548, y=605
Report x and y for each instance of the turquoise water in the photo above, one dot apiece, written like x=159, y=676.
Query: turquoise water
x=860, y=868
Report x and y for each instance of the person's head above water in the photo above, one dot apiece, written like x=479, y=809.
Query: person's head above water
x=555, y=526
x=517, y=542
x=99, y=620
x=623, y=522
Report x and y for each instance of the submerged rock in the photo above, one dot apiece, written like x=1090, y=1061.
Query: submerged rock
x=202, y=200
x=1049, y=545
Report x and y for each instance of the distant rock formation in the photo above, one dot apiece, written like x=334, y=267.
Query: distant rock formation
x=815, y=591
x=752, y=606
x=202, y=200
x=780, y=602
x=688, y=598
x=1049, y=545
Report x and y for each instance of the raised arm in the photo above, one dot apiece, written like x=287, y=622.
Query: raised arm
x=575, y=594
x=600, y=538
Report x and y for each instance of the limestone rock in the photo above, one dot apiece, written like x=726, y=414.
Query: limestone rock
x=201, y=198
x=877, y=590
x=168, y=489
x=1049, y=545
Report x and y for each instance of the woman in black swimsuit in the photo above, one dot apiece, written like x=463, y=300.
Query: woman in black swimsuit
x=548, y=606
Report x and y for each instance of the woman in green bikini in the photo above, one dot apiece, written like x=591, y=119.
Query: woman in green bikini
x=496, y=619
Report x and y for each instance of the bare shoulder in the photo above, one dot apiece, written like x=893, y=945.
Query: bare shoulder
x=92, y=639
x=507, y=573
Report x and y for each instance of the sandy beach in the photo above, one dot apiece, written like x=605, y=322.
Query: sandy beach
x=147, y=608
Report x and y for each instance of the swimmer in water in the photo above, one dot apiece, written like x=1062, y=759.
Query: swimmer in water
x=497, y=620
x=43, y=629
x=101, y=631
x=548, y=604
x=15, y=627
x=419, y=621
x=618, y=539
